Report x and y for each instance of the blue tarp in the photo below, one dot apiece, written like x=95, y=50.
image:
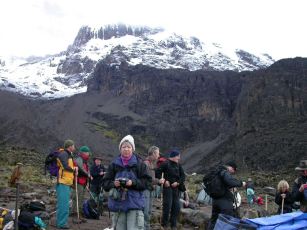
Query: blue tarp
x=288, y=221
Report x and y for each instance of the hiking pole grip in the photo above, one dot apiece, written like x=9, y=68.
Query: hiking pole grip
x=282, y=205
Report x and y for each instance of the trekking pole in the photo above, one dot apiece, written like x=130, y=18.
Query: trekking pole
x=282, y=205
x=162, y=177
x=77, y=197
x=91, y=195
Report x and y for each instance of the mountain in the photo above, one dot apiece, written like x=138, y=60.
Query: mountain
x=67, y=73
x=258, y=117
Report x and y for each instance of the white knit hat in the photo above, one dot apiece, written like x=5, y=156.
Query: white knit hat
x=128, y=139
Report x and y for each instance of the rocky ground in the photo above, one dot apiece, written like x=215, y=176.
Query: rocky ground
x=189, y=219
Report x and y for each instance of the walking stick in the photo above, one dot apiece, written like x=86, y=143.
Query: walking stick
x=77, y=198
x=15, y=181
x=282, y=205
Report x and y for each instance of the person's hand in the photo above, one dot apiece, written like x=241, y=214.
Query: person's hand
x=76, y=171
x=116, y=183
x=175, y=184
x=244, y=184
x=166, y=184
x=283, y=195
x=161, y=181
x=129, y=183
x=302, y=188
x=101, y=173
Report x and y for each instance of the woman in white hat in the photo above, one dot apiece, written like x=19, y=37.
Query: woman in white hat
x=126, y=179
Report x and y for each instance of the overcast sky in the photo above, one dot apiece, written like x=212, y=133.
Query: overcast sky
x=39, y=27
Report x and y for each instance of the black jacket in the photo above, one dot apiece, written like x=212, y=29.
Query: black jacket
x=287, y=202
x=173, y=172
x=230, y=182
x=95, y=173
x=296, y=194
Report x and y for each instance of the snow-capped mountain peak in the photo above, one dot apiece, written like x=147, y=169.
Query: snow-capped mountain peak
x=65, y=74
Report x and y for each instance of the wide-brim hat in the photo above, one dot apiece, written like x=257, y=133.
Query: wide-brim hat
x=302, y=165
x=97, y=158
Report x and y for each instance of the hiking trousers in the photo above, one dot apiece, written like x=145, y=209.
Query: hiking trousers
x=221, y=205
x=62, y=207
x=131, y=220
x=81, y=193
x=171, y=206
x=149, y=195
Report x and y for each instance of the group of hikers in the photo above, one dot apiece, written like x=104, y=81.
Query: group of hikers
x=132, y=182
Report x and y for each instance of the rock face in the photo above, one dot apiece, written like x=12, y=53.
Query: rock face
x=172, y=103
x=87, y=33
x=258, y=118
x=270, y=119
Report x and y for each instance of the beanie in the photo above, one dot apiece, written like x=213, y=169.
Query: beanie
x=174, y=153
x=128, y=139
x=232, y=164
x=68, y=143
x=84, y=149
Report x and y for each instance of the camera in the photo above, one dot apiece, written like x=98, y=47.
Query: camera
x=122, y=181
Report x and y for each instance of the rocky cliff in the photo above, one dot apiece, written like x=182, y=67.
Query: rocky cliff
x=258, y=118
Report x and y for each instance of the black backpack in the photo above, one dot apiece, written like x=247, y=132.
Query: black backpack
x=214, y=184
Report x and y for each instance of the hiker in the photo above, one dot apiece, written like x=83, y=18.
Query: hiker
x=160, y=160
x=81, y=162
x=224, y=204
x=151, y=162
x=125, y=180
x=283, y=193
x=174, y=183
x=250, y=192
x=299, y=190
x=185, y=201
x=97, y=172
x=65, y=180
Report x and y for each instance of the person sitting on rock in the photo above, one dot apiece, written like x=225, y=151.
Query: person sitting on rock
x=283, y=193
x=299, y=190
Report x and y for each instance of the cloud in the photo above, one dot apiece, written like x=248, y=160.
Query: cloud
x=49, y=26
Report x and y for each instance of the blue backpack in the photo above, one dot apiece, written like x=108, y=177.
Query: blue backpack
x=90, y=210
x=51, y=163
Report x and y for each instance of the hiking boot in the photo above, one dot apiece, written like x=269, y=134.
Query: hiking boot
x=83, y=220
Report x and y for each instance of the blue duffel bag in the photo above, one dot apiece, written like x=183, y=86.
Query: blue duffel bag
x=226, y=222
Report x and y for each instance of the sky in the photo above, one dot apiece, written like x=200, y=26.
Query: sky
x=40, y=27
